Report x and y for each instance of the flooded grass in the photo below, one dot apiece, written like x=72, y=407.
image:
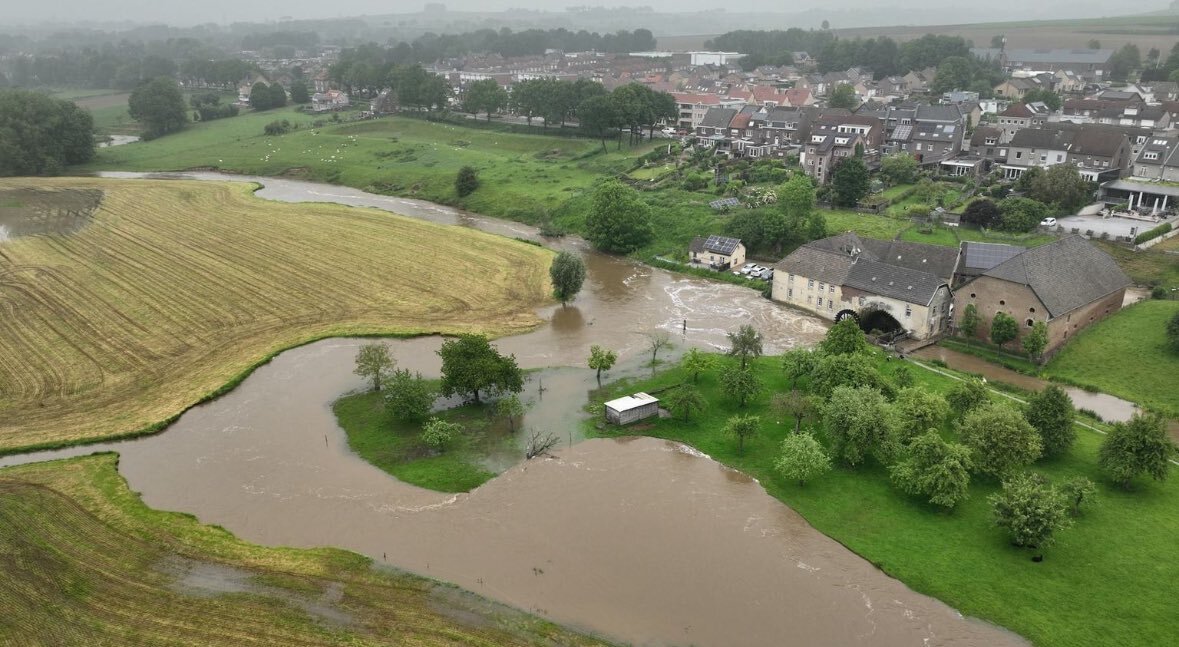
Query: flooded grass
x=37, y=211
x=87, y=563
x=1104, y=577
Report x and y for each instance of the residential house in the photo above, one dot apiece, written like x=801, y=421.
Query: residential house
x=1089, y=64
x=1068, y=82
x=1158, y=160
x=1041, y=147
x=1117, y=112
x=715, y=124
x=1100, y=153
x=918, y=81
x=330, y=100
x=985, y=143
x=1165, y=90
x=692, y=108
x=1016, y=88
x=893, y=283
x=823, y=152
x=1068, y=284
x=385, y=103
x=1018, y=116
x=717, y=252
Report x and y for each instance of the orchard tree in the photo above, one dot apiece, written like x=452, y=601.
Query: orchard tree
x=850, y=182
x=742, y=428
x=858, y=423
x=466, y=181
x=1003, y=328
x=601, y=359
x=618, y=222
x=1031, y=511
x=510, y=408
x=899, y=168
x=797, y=362
x=934, y=469
x=918, y=411
x=1000, y=440
x=373, y=362
x=740, y=383
x=159, y=106
x=437, y=433
x=833, y=371
x=567, y=274
x=966, y=396
x=802, y=459
x=845, y=338
x=408, y=397
x=471, y=365
x=970, y=320
x=1079, y=492
x=745, y=344
x=684, y=401
x=1140, y=446
x=796, y=405
x=1050, y=412
x=657, y=341
x=696, y=362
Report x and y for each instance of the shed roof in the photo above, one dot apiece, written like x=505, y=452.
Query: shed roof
x=629, y=402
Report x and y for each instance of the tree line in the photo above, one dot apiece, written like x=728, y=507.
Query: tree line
x=40, y=135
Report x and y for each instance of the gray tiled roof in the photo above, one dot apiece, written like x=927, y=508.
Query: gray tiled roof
x=1074, y=56
x=1065, y=274
x=819, y=264
x=1050, y=138
x=915, y=270
x=718, y=117
x=900, y=283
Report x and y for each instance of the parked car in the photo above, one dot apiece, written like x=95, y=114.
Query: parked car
x=747, y=268
x=1048, y=222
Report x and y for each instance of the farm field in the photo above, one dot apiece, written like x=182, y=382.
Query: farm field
x=1101, y=578
x=177, y=289
x=88, y=564
x=1125, y=355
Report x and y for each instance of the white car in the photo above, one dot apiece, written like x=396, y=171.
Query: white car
x=1048, y=222
x=747, y=268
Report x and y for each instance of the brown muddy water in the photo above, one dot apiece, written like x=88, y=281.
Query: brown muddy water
x=641, y=540
x=33, y=212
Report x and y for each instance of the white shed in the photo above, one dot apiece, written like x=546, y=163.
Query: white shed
x=628, y=409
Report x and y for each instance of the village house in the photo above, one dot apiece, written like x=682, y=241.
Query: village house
x=1068, y=284
x=1100, y=153
x=330, y=100
x=824, y=150
x=883, y=284
x=717, y=252
x=693, y=107
x=985, y=143
x=1158, y=160
x=1118, y=112
x=1016, y=88
x=1089, y=64
x=1018, y=116
x=1042, y=147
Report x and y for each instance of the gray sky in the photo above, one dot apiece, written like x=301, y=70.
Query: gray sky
x=188, y=12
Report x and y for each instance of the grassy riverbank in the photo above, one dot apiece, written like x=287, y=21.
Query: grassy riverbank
x=87, y=563
x=396, y=447
x=1107, y=576
x=179, y=288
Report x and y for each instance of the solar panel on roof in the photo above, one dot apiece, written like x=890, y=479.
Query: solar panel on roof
x=721, y=244
x=986, y=256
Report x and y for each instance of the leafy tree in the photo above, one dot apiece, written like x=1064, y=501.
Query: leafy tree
x=903, y=377
x=260, y=97
x=797, y=362
x=898, y=168
x=857, y=422
x=1050, y=412
x=933, y=468
x=485, y=96
x=845, y=338
x=1080, y=493
x=1125, y=60
x=567, y=274
x=1044, y=95
x=970, y=320
x=208, y=107
x=408, y=396
x=510, y=408
x=684, y=401
x=740, y=383
x=618, y=222
x=850, y=182
x=657, y=341
x=745, y=344
x=1062, y=187
x=918, y=411
x=1173, y=333
x=1036, y=341
x=40, y=135
x=278, y=96
x=1003, y=328
x=601, y=359
x=373, y=362
x=953, y=73
x=1000, y=439
x=966, y=396
x=802, y=459
x=833, y=371
x=1021, y=215
x=471, y=365
x=437, y=433
x=797, y=197
x=598, y=116
x=1139, y=446
x=997, y=41
x=466, y=181
x=796, y=405
x=299, y=93
x=1031, y=510
x=742, y=428
x=843, y=96
x=159, y=106
x=981, y=212
x=695, y=362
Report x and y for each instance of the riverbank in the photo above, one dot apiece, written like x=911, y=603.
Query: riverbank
x=115, y=571
x=1101, y=578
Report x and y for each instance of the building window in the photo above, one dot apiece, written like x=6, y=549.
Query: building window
x=1031, y=309
x=790, y=278
x=831, y=289
x=1002, y=302
x=908, y=310
x=822, y=286
x=1030, y=323
x=861, y=302
x=830, y=304
x=808, y=298
x=789, y=293
x=971, y=295
x=810, y=285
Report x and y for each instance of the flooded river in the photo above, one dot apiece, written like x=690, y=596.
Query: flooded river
x=641, y=540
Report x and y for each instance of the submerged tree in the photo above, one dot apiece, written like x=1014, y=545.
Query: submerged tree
x=471, y=365
x=745, y=344
x=373, y=362
x=510, y=408
x=601, y=359
x=567, y=274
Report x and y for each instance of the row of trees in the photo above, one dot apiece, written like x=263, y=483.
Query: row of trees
x=265, y=97
x=552, y=100
x=40, y=135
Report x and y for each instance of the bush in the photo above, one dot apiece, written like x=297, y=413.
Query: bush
x=695, y=182
x=466, y=181
x=277, y=127
x=1158, y=292
x=1152, y=233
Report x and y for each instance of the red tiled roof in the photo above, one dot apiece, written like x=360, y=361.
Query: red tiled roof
x=703, y=99
x=741, y=120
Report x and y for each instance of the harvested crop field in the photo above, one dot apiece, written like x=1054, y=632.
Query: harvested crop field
x=86, y=563
x=176, y=289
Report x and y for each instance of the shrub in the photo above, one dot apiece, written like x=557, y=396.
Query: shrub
x=1000, y=439
x=277, y=127
x=437, y=434
x=1031, y=510
x=802, y=458
x=1151, y=234
x=466, y=181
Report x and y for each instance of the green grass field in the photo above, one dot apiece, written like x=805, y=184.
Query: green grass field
x=86, y=563
x=1107, y=580
x=1125, y=355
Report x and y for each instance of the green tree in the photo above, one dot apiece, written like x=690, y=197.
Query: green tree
x=159, y=106
x=934, y=469
x=1003, y=328
x=797, y=362
x=742, y=428
x=745, y=344
x=1036, y=340
x=1094, y=44
x=1172, y=333
x=599, y=117
x=601, y=359
x=966, y=396
x=485, y=96
x=740, y=383
x=843, y=96
x=796, y=405
x=1045, y=96
x=1050, y=412
x=903, y=377
x=797, y=197
x=833, y=371
x=1000, y=439
x=1021, y=215
x=40, y=135
x=802, y=459
x=466, y=181
x=373, y=362
x=684, y=401
x=1139, y=446
x=850, y=182
x=299, y=93
x=1031, y=510
x=437, y=433
x=918, y=411
x=408, y=397
x=898, y=168
x=845, y=338
x=970, y=320
x=471, y=365
x=1062, y=187
x=695, y=362
x=657, y=341
x=567, y=274
x=857, y=423
x=982, y=212
x=510, y=408
x=618, y=222
x=260, y=97
x=1079, y=492
x=278, y=96
x=953, y=73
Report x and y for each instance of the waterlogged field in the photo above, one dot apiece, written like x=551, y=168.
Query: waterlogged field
x=176, y=289
x=86, y=563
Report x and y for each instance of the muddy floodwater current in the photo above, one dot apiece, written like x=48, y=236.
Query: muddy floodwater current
x=640, y=540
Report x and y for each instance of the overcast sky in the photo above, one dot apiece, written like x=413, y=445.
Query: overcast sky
x=188, y=12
